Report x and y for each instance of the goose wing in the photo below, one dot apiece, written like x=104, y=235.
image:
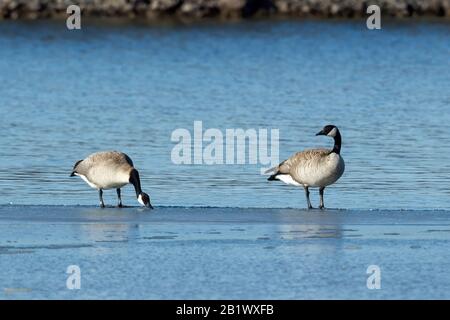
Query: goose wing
x=108, y=159
x=302, y=159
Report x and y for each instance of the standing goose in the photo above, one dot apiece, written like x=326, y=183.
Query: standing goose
x=313, y=168
x=108, y=170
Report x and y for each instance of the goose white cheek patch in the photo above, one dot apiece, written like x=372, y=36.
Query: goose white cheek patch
x=140, y=200
x=332, y=133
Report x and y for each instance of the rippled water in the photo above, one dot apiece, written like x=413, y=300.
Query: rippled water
x=66, y=94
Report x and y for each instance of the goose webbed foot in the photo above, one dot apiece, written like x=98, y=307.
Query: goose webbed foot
x=321, y=207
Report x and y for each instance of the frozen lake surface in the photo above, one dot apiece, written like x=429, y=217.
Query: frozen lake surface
x=223, y=253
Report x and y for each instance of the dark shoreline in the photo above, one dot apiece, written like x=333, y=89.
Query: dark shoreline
x=154, y=10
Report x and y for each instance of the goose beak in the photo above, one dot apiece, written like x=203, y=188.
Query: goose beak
x=321, y=133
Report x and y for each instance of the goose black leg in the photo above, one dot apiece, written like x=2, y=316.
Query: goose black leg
x=322, y=206
x=120, y=198
x=307, y=198
x=100, y=194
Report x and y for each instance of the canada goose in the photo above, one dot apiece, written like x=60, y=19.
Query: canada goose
x=313, y=168
x=107, y=170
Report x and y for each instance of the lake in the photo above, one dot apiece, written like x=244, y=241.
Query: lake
x=65, y=94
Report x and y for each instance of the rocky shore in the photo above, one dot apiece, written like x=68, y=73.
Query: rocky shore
x=226, y=9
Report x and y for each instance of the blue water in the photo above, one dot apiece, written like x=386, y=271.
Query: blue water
x=66, y=94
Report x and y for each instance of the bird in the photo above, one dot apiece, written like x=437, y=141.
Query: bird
x=313, y=168
x=108, y=170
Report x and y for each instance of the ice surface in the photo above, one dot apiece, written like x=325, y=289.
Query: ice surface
x=223, y=253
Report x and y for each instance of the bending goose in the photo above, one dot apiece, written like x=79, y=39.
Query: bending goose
x=313, y=168
x=108, y=170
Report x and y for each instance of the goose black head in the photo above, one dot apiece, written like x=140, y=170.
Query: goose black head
x=328, y=130
x=144, y=199
x=75, y=168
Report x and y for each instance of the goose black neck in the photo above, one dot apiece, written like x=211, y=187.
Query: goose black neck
x=135, y=181
x=337, y=143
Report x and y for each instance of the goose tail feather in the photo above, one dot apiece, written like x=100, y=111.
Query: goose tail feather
x=274, y=169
